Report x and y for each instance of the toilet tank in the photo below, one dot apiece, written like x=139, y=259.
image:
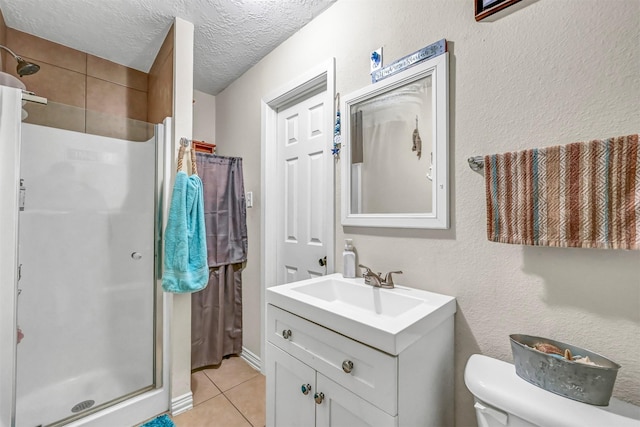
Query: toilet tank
x=504, y=399
x=488, y=416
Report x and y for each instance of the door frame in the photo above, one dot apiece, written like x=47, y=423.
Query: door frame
x=322, y=76
x=10, y=132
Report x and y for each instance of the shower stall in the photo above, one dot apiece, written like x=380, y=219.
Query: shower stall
x=83, y=320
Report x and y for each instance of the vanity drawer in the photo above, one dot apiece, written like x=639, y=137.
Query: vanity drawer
x=374, y=375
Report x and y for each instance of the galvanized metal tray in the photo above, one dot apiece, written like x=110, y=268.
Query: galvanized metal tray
x=585, y=383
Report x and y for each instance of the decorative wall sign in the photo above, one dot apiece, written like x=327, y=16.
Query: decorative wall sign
x=491, y=10
x=376, y=60
x=428, y=52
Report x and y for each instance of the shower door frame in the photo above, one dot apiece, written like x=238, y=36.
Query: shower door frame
x=139, y=407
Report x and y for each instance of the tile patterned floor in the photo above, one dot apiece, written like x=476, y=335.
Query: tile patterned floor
x=232, y=395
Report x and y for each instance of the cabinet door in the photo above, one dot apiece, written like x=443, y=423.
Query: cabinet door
x=287, y=405
x=374, y=376
x=341, y=408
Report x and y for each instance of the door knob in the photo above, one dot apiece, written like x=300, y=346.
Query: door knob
x=286, y=334
x=136, y=255
x=347, y=366
x=306, y=388
x=318, y=397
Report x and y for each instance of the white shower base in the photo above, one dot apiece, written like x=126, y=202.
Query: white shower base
x=54, y=402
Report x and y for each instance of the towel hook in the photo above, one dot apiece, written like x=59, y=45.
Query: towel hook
x=184, y=142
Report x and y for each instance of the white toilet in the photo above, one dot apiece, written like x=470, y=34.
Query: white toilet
x=502, y=398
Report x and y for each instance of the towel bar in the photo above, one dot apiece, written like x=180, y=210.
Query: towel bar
x=476, y=163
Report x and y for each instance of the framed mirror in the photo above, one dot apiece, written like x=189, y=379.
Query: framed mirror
x=395, y=150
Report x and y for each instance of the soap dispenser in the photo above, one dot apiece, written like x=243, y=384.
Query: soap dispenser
x=349, y=259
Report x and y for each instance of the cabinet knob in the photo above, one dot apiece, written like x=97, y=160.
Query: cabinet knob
x=347, y=366
x=319, y=397
x=286, y=334
x=306, y=388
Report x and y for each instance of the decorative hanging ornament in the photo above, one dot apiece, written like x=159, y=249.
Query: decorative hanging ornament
x=417, y=141
x=337, y=137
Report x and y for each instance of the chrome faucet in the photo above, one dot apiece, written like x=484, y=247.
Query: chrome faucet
x=388, y=279
x=371, y=278
x=375, y=280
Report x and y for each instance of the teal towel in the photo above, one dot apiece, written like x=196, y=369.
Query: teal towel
x=185, y=248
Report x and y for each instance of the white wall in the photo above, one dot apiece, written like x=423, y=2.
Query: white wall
x=181, y=396
x=204, y=116
x=552, y=73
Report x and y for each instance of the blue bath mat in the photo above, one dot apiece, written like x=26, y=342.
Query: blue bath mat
x=161, y=421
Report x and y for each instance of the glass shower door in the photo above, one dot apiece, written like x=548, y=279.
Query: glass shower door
x=87, y=255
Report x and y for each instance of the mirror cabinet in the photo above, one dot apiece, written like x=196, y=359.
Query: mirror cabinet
x=395, y=150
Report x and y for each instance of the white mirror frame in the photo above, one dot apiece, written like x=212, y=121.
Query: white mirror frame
x=438, y=69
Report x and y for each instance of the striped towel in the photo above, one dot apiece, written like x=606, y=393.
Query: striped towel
x=585, y=194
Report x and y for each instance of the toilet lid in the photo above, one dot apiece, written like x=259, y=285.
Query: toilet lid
x=496, y=383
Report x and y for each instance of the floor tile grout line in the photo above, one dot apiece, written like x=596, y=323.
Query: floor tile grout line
x=214, y=383
x=207, y=399
x=239, y=384
x=217, y=388
x=223, y=393
x=238, y=409
x=211, y=381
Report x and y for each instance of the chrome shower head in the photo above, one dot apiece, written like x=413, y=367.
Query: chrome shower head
x=24, y=68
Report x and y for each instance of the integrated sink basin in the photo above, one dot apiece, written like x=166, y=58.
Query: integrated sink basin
x=387, y=319
x=355, y=296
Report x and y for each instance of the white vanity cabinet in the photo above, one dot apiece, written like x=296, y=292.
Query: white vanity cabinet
x=360, y=385
x=301, y=396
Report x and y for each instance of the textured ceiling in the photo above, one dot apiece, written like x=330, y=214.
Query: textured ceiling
x=230, y=35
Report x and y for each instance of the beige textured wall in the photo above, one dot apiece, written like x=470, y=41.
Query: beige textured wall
x=554, y=72
x=204, y=116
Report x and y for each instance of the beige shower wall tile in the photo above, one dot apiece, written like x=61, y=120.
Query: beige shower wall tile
x=41, y=50
x=3, y=31
x=165, y=51
x=161, y=90
x=56, y=84
x=55, y=115
x=110, y=71
x=3, y=41
x=117, y=100
x=104, y=124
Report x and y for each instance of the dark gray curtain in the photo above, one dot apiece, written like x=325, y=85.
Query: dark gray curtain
x=216, y=311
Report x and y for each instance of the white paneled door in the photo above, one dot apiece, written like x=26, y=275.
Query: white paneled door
x=302, y=153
